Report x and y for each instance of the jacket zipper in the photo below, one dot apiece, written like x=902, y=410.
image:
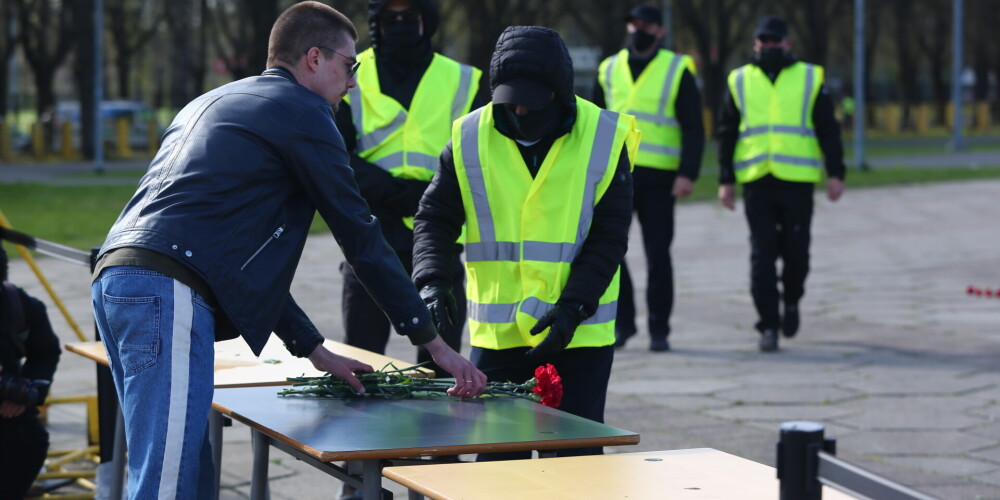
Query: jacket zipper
x=276, y=235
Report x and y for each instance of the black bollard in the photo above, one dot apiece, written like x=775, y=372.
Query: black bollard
x=798, y=462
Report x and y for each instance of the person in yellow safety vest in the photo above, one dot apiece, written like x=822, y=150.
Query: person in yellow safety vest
x=394, y=124
x=542, y=179
x=777, y=131
x=658, y=87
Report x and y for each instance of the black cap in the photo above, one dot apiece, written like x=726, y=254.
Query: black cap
x=522, y=92
x=646, y=13
x=771, y=26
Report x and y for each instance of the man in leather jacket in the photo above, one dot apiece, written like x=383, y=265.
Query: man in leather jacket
x=29, y=352
x=208, y=245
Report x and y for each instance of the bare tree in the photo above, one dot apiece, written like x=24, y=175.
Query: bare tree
x=187, y=30
x=813, y=21
x=933, y=23
x=719, y=28
x=47, y=33
x=8, y=44
x=602, y=21
x=132, y=24
x=902, y=12
x=242, y=28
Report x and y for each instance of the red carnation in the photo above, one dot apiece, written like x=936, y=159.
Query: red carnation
x=549, y=385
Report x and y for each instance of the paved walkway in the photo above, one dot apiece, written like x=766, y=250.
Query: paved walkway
x=900, y=364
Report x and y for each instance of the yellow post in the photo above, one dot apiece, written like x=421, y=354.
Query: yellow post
x=124, y=149
x=67, y=141
x=6, y=148
x=153, y=135
x=37, y=141
x=949, y=115
x=923, y=118
x=707, y=120
x=982, y=116
x=892, y=119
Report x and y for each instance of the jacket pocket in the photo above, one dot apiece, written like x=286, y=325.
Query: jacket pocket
x=274, y=236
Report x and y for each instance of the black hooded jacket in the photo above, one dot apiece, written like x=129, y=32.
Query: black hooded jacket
x=391, y=198
x=537, y=54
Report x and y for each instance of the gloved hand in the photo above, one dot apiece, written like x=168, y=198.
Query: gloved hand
x=441, y=303
x=561, y=321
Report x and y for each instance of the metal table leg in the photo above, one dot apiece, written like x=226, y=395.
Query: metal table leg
x=258, y=479
x=371, y=477
x=215, y=439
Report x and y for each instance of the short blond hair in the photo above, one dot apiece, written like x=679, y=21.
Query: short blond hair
x=305, y=25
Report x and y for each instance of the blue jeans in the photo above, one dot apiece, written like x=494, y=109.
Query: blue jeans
x=159, y=336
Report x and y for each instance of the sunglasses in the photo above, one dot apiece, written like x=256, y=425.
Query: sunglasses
x=397, y=16
x=355, y=64
x=769, y=39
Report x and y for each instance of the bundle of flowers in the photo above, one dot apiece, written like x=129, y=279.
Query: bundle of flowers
x=406, y=383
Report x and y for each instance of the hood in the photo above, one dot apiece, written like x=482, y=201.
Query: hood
x=534, y=53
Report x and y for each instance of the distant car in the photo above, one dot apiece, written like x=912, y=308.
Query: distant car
x=137, y=113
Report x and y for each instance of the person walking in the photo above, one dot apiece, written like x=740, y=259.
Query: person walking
x=658, y=87
x=395, y=123
x=777, y=130
x=542, y=179
x=207, y=248
x=29, y=353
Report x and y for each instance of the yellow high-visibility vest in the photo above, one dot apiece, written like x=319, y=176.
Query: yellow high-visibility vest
x=650, y=99
x=388, y=137
x=777, y=135
x=523, y=233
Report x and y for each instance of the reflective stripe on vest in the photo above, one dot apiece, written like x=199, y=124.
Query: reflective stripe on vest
x=531, y=273
x=410, y=148
x=650, y=98
x=776, y=130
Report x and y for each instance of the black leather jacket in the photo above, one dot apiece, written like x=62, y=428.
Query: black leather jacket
x=232, y=192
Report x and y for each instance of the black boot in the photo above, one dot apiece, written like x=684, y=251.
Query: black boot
x=790, y=321
x=768, y=341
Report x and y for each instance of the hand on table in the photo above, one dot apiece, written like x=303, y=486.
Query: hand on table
x=469, y=381
x=339, y=366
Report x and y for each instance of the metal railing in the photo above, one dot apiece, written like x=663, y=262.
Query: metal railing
x=807, y=461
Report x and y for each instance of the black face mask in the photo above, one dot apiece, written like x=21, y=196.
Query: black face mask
x=771, y=59
x=640, y=40
x=401, y=35
x=535, y=124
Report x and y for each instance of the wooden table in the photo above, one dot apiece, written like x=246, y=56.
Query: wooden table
x=323, y=430
x=236, y=366
x=701, y=473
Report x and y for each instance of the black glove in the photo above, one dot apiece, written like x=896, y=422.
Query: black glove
x=23, y=391
x=441, y=303
x=561, y=321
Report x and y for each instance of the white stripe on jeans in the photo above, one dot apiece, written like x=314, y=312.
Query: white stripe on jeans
x=180, y=355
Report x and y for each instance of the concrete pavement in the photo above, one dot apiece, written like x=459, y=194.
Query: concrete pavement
x=900, y=364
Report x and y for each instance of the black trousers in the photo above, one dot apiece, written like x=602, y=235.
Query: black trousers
x=654, y=205
x=367, y=327
x=22, y=454
x=585, y=372
x=780, y=218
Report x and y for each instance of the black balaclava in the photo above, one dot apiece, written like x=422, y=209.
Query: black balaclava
x=640, y=40
x=534, y=125
x=401, y=41
x=3, y=264
x=770, y=59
